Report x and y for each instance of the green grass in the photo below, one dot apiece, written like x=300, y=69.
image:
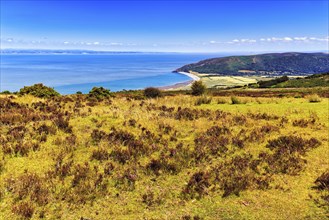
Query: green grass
x=320, y=80
x=160, y=195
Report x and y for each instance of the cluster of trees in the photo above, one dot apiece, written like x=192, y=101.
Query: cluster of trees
x=270, y=83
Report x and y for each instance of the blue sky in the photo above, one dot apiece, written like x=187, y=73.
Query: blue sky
x=175, y=26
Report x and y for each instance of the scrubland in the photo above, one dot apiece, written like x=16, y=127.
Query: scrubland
x=74, y=157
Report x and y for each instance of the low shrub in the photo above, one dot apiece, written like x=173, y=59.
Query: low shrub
x=100, y=154
x=99, y=93
x=303, y=123
x=97, y=135
x=314, y=98
x=150, y=199
x=287, y=154
x=162, y=165
x=238, y=174
x=39, y=90
x=24, y=209
x=322, y=182
x=322, y=185
x=236, y=100
x=197, y=186
x=126, y=181
x=6, y=92
x=203, y=100
x=28, y=185
x=152, y=92
x=221, y=101
x=63, y=123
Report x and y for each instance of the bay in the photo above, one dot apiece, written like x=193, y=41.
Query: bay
x=71, y=73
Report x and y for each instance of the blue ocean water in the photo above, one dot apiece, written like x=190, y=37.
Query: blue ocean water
x=71, y=73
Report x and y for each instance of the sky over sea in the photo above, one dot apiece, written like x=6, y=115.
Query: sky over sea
x=166, y=26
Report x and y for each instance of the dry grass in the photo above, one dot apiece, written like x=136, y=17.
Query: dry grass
x=164, y=158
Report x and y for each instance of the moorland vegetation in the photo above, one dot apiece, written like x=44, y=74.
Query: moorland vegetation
x=228, y=154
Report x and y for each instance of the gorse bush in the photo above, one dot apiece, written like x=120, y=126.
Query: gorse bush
x=198, y=88
x=39, y=90
x=6, y=92
x=152, y=92
x=99, y=93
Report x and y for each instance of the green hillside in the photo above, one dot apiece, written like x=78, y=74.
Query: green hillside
x=319, y=80
x=273, y=64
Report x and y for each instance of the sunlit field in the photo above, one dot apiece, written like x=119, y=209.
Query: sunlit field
x=173, y=157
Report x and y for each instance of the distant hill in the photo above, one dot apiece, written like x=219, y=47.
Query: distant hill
x=263, y=64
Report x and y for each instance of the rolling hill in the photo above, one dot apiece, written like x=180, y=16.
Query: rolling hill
x=264, y=64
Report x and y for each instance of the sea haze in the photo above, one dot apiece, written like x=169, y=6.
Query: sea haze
x=71, y=73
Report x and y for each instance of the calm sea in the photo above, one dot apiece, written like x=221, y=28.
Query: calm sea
x=71, y=73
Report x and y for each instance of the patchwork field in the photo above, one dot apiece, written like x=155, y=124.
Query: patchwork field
x=213, y=81
x=78, y=157
x=217, y=81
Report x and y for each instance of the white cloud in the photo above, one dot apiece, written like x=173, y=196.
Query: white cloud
x=287, y=39
x=300, y=38
x=96, y=43
x=276, y=39
x=320, y=39
x=116, y=44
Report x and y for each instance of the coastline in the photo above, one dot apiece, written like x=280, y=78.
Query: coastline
x=191, y=75
x=177, y=86
x=181, y=85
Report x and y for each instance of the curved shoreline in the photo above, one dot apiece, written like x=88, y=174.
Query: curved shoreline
x=193, y=76
x=178, y=86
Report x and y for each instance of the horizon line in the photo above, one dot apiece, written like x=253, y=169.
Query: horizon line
x=132, y=51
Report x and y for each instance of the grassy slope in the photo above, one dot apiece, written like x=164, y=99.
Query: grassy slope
x=320, y=81
x=288, y=198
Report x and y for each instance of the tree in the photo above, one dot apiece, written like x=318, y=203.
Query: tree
x=198, y=88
